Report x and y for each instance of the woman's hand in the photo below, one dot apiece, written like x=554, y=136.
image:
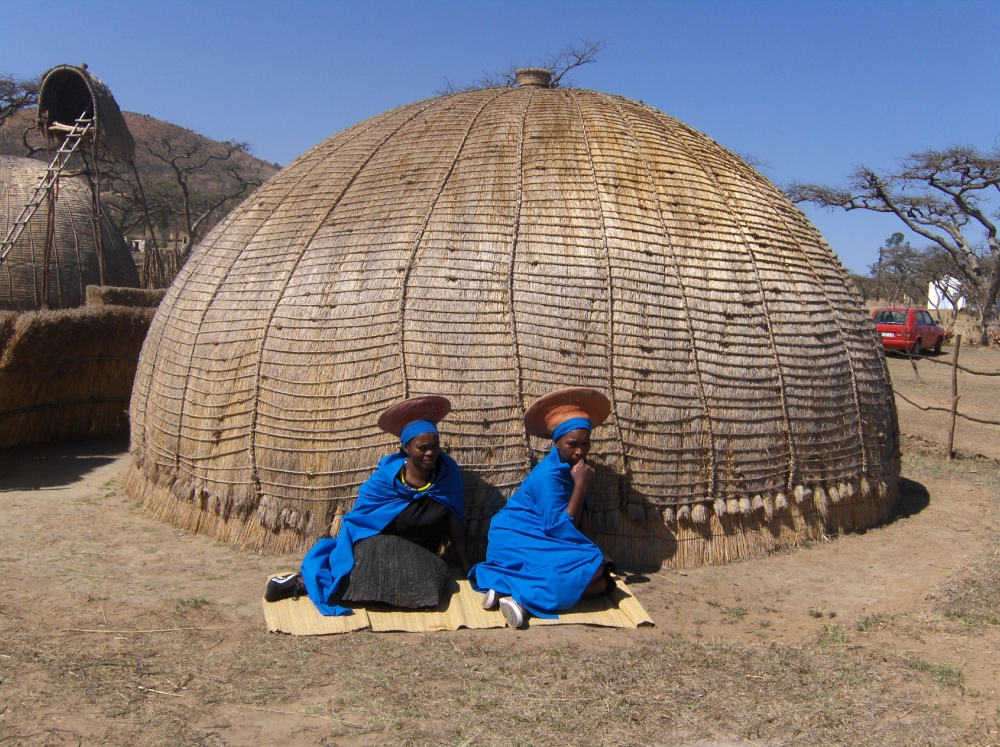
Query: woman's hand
x=582, y=474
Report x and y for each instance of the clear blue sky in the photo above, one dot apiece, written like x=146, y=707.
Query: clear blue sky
x=810, y=88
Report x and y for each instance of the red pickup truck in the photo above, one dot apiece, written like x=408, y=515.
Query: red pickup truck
x=906, y=329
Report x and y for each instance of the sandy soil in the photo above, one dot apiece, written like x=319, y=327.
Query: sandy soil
x=120, y=629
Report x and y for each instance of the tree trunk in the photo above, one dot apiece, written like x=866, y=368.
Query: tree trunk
x=987, y=308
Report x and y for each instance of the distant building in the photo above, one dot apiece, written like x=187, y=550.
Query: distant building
x=945, y=293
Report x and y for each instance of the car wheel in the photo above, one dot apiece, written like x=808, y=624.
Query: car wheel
x=915, y=348
x=937, y=348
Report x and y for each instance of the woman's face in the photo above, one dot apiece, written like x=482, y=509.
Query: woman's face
x=423, y=450
x=574, y=446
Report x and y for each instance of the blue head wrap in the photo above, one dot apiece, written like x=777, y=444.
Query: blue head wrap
x=570, y=425
x=415, y=429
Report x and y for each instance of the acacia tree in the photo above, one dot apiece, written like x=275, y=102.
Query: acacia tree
x=944, y=196
x=897, y=272
x=187, y=160
x=126, y=198
x=16, y=94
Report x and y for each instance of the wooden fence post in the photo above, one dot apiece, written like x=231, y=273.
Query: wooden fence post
x=954, y=395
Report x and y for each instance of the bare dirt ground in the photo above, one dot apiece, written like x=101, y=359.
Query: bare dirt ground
x=118, y=629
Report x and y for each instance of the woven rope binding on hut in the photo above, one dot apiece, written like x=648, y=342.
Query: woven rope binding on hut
x=491, y=246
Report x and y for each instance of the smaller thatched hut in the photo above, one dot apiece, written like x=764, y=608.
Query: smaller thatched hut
x=73, y=262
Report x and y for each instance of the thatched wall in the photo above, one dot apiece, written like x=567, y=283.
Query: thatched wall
x=67, y=374
x=73, y=264
x=491, y=246
x=109, y=295
x=68, y=91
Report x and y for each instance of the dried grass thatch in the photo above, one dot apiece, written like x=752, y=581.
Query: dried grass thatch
x=109, y=295
x=67, y=374
x=73, y=264
x=491, y=246
x=67, y=92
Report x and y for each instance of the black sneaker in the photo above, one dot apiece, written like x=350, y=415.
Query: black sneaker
x=284, y=587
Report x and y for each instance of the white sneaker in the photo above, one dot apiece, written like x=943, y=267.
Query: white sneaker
x=490, y=600
x=513, y=613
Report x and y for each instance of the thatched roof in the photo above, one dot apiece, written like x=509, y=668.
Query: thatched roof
x=491, y=246
x=67, y=92
x=74, y=264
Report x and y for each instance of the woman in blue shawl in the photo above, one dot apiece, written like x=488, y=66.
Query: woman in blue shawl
x=538, y=560
x=415, y=494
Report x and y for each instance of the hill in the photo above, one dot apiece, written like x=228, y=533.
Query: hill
x=218, y=175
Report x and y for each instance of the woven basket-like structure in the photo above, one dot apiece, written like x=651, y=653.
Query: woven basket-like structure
x=67, y=91
x=491, y=246
x=73, y=264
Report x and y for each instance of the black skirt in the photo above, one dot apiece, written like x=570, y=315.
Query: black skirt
x=423, y=522
x=392, y=570
x=400, y=566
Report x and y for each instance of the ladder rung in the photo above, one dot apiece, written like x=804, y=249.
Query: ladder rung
x=68, y=146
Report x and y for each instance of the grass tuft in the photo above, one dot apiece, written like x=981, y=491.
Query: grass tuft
x=877, y=621
x=193, y=603
x=831, y=635
x=946, y=674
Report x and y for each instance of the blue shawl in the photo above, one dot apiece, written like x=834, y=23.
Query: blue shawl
x=381, y=499
x=535, y=553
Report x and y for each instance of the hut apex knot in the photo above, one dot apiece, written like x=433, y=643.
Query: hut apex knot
x=533, y=77
x=83, y=65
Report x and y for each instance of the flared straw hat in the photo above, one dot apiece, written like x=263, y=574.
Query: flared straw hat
x=545, y=415
x=403, y=413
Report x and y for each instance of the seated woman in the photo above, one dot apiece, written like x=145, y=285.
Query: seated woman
x=386, y=550
x=536, y=554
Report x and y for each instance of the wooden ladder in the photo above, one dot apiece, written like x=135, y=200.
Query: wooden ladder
x=69, y=146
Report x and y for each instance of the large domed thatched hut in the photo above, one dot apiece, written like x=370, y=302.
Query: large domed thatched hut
x=490, y=246
x=73, y=263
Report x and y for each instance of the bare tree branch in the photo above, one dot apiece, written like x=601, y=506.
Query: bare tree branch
x=943, y=196
x=29, y=149
x=569, y=58
x=573, y=56
x=188, y=160
x=243, y=186
x=16, y=94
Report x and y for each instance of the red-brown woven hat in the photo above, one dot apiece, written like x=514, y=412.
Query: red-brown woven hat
x=545, y=415
x=403, y=413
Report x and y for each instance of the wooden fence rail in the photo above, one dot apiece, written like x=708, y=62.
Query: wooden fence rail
x=953, y=410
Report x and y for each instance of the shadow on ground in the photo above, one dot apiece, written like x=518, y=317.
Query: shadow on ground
x=913, y=498
x=52, y=466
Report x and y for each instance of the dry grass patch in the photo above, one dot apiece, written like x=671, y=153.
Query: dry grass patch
x=973, y=594
x=184, y=687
